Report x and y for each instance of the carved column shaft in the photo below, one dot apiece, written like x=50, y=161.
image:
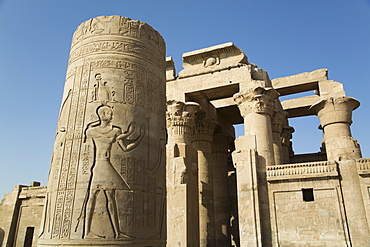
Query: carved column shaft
x=202, y=142
x=182, y=179
x=220, y=153
x=107, y=180
x=277, y=130
x=256, y=106
x=335, y=115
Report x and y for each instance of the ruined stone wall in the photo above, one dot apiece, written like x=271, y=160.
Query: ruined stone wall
x=21, y=215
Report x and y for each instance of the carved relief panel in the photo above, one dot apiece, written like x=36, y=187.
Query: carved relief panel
x=107, y=178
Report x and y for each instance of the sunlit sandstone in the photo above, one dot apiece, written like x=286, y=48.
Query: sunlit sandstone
x=116, y=180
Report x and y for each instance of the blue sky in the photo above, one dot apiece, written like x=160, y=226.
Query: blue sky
x=282, y=37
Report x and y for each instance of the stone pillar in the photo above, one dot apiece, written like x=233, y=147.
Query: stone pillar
x=277, y=131
x=107, y=179
x=202, y=142
x=256, y=107
x=287, y=149
x=220, y=151
x=254, y=151
x=335, y=115
x=182, y=177
x=355, y=209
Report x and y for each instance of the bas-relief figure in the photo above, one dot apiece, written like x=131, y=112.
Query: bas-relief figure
x=103, y=135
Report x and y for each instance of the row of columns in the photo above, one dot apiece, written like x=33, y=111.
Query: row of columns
x=197, y=177
x=266, y=142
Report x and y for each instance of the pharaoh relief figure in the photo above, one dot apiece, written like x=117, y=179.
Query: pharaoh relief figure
x=103, y=135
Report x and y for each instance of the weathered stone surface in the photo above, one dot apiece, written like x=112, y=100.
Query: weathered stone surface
x=20, y=215
x=107, y=181
x=335, y=115
x=215, y=58
x=182, y=175
x=299, y=83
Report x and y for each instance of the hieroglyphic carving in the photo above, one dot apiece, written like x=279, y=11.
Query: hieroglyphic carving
x=121, y=26
x=154, y=99
x=144, y=193
x=134, y=83
x=139, y=95
x=81, y=94
x=68, y=171
x=86, y=159
x=119, y=64
x=128, y=214
x=117, y=47
x=151, y=218
x=139, y=208
x=129, y=94
x=75, y=157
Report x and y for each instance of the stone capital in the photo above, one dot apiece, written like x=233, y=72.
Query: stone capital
x=203, y=130
x=180, y=117
x=335, y=110
x=203, y=134
x=256, y=100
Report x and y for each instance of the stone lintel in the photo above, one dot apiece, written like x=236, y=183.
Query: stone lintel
x=170, y=69
x=300, y=107
x=331, y=88
x=214, y=58
x=208, y=84
x=300, y=82
x=219, y=103
x=32, y=192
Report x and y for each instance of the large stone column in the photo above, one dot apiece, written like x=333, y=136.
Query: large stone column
x=257, y=107
x=220, y=151
x=107, y=178
x=182, y=176
x=278, y=120
x=335, y=115
x=254, y=151
x=202, y=142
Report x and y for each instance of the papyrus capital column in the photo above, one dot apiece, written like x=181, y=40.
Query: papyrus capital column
x=254, y=151
x=335, y=115
x=256, y=100
x=202, y=142
x=256, y=105
x=220, y=153
x=180, y=118
x=182, y=175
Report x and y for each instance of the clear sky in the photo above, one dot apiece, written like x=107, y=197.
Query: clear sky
x=283, y=37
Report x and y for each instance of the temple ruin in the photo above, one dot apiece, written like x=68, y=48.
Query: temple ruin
x=144, y=156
